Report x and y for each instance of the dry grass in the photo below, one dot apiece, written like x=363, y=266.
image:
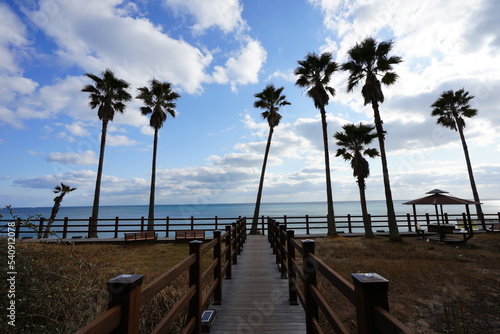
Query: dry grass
x=433, y=288
x=62, y=287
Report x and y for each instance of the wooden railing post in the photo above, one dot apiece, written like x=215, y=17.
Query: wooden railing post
x=310, y=280
x=229, y=251
x=234, y=243
x=269, y=232
x=216, y=222
x=218, y=268
x=90, y=229
x=65, y=228
x=192, y=222
x=167, y=226
x=125, y=290
x=117, y=224
x=408, y=220
x=263, y=229
x=40, y=227
x=369, y=290
x=277, y=243
x=195, y=273
x=292, y=289
x=349, y=222
x=307, y=225
x=18, y=228
x=283, y=251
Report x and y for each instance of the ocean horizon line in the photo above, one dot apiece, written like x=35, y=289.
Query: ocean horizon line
x=201, y=204
x=215, y=204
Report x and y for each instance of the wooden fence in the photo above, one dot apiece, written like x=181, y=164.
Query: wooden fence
x=127, y=295
x=368, y=293
x=166, y=227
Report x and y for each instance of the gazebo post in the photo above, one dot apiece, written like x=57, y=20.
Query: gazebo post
x=437, y=213
x=415, y=216
x=469, y=219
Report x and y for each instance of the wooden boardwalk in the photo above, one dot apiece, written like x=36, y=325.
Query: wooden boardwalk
x=255, y=300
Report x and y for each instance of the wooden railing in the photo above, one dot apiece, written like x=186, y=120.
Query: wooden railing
x=166, y=227
x=368, y=292
x=127, y=294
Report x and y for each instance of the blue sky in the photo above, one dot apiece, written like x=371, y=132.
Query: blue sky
x=218, y=54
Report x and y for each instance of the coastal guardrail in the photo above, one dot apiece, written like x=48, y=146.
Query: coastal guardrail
x=166, y=227
x=368, y=292
x=127, y=295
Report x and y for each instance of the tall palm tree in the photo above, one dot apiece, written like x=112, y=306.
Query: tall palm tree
x=368, y=61
x=352, y=144
x=159, y=102
x=451, y=108
x=314, y=74
x=270, y=99
x=109, y=95
x=62, y=190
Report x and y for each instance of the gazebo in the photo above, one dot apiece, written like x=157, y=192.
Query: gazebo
x=438, y=198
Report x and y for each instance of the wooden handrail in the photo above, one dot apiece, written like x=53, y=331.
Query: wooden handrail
x=108, y=321
x=368, y=293
x=128, y=296
x=115, y=227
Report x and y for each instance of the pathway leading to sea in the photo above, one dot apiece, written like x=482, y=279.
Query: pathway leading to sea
x=255, y=300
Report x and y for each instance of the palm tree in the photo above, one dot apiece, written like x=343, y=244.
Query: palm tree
x=352, y=144
x=314, y=74
x=62, y=190
x=270, y=99
x=369, y=60
x=109, y=95
x=159, y=101
x=451, y=108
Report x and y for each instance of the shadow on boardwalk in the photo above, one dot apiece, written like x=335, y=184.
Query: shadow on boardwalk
x=255, y=300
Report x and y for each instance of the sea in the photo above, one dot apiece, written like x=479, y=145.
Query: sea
x=235, y=210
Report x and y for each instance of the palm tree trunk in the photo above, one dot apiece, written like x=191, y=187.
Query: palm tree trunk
x=95, y=207
x=254, y=229
x=479, y=209
x=391, y=215
x=366, y=219
x=151, y=213
x=329, y=197
x=53, y=214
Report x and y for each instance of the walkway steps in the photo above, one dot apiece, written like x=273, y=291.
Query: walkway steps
x=255, y=300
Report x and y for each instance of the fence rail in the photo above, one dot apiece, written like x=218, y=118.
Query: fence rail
x=368, y=292
x=166, y=227
x=127, y=295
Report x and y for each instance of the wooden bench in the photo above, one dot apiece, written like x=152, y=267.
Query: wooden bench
x=141, y=236
x=189, y=235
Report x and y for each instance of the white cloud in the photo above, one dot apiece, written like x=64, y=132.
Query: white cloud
x=77, y=129
x=94, y=35
x=244, y=67
x=73, y=159
x=13, y=34
x=286, y=76
x=223, y=14
x=120, y=140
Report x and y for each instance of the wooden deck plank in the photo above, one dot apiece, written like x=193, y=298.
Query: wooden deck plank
x=255, y=300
